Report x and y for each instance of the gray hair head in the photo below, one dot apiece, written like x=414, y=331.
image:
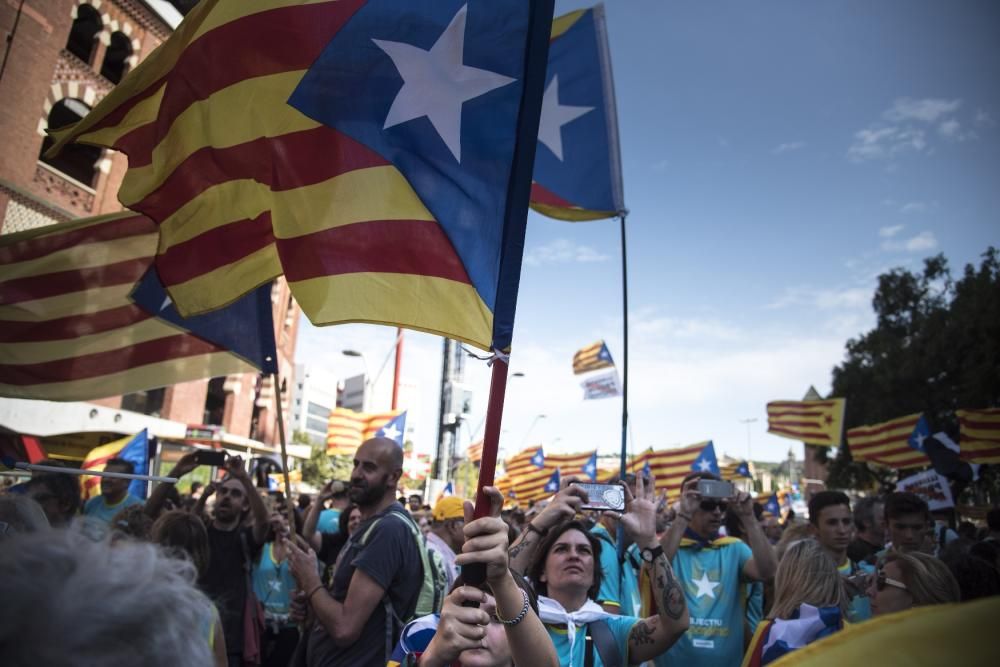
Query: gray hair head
x=20, y=515
x=70, y=600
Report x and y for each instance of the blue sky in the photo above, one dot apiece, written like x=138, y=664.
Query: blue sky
x=777, y=157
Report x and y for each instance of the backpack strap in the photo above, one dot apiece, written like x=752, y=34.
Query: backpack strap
x=605, y=643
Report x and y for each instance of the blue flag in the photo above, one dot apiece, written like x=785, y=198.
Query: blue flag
x=538, y=460
x=577, y=164
x=552, y=486
x=394, y=429
x=921, y=432
x=590, y=467
x=743, y=469
x=706, y=461
x=772, y=505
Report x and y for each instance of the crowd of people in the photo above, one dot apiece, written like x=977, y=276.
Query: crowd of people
x=358, y=575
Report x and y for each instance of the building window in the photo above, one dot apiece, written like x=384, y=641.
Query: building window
x=82, y=35
x=317, y=425
x=116, y=57
x=215, y=402
x=77, y=161
x=317, y=410
x=183, y=6
x=149, y=402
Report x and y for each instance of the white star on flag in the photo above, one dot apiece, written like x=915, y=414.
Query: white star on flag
x=166, y=302
x=705, y=586
x=390, y=431
x=704, y=465
x=436, y=84
x=554, y=116
x=920, y=437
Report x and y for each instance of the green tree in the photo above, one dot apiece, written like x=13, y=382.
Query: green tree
x=935, y=348
x=320, y=468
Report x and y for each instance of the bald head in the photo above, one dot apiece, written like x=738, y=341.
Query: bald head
x=378, y=465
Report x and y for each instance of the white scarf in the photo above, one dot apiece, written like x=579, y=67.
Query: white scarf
x=551, y=611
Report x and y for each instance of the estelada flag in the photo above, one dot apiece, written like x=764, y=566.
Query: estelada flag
x=669, y=467
x=134, y=448
x=347, y=429
x=897, y=443
x=592, y=357
x=83, y=316
x=377, y=153
x=812, y=422
x=578, y=172
x=979, y=435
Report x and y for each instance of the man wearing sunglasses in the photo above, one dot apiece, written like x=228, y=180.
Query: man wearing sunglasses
x=712, y=570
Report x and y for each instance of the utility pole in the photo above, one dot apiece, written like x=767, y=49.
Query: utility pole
x=748, y=421
x=449, y=417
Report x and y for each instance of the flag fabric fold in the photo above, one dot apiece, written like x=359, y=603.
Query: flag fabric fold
x=898, y=443
x=670, y=466
x=84, y=316
x=376, y=152
x=134, y=449
x=812, y=422
x=979, y=435
x=592, y=358
x=577, y=172
x=347, y=429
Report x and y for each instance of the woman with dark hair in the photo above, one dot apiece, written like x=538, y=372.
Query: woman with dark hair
x=502, y=629
x=564, y=567
x=184, y=535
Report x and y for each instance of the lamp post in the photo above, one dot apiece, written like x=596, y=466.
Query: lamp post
x=364, y=361
x=524, y=440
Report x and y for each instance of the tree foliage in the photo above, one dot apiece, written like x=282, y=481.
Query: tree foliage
x=935, y=348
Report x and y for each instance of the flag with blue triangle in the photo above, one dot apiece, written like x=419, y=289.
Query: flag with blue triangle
x=394, y=429
x=552, y=486
x=772, y=505
x=706, y=461
x=538, y=460
x=590, y=467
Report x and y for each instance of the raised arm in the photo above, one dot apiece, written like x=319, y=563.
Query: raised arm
x=652, y=636
x=687, y=505
x=763, y=564
x=309, y=533
x=257, y=507
x=154, y=503
x=564, y=506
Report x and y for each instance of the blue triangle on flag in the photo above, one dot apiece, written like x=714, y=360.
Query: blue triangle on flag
x=538, y=460
x=394, y=429
x=921, y=432
x=590, y=468
x=706, y=461
x=552, y=486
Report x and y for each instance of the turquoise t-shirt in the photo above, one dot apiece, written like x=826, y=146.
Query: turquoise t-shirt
x=272, y=584
x=713, y=588
x=859, y=608
x=755, y=603
x=620, y=626
x=329, y=521
x=619, y=585
x=97, y=508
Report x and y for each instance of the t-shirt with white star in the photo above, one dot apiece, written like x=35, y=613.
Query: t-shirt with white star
x=713, y=587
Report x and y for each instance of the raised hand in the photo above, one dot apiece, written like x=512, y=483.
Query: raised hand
x=460, y=628
x=639, y=520
x=486, y=539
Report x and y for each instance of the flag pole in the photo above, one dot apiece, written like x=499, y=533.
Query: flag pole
x=32, y=467
x=625, y=424
x=284, y=452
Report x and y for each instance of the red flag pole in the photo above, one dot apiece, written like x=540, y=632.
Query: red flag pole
x=491, y=439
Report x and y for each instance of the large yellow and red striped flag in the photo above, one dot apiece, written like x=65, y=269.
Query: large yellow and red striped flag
x=896, y=443
x=979, y=435
x=811, y=422
x=83, y=316
x=348, y=144
x=670, y=466
x=528, y=471
x=133, y=448
x=347, y=429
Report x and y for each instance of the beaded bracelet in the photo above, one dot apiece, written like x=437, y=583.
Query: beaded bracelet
x=520, y=617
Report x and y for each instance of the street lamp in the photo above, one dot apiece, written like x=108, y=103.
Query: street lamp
x=528, y=432
x=364, y=361
x=748, y=421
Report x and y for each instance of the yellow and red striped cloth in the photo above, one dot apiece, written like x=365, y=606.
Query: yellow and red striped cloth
x=887, y=443
x=347, y=429
x=813, y=422
x=979, y=435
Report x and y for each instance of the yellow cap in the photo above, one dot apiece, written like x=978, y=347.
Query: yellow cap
x=449, y=507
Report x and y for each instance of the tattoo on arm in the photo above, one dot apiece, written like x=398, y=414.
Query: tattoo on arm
x=641, y=634
x=520, y=546
x=672, y=601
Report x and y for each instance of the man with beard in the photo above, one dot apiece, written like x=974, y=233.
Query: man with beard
x=378, y=575
x=712, y=570
x=231, y=544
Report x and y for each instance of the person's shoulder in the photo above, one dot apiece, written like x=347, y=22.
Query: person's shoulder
x=91, y=504
x=132, y=500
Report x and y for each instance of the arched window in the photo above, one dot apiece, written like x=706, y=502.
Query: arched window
x=76, y=160
x=115, y=60
x=86, y=25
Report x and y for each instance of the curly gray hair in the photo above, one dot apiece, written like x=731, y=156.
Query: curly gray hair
x=70, y=600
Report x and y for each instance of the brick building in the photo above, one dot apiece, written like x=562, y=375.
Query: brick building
x=64, y=56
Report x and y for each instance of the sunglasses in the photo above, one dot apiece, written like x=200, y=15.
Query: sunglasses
x=711, y=505
x=881, y=581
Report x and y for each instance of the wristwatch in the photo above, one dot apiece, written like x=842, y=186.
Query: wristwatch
x=649, y=555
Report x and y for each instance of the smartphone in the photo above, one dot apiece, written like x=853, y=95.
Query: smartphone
x=211, y=457
x=603, y=496
x=710, y=488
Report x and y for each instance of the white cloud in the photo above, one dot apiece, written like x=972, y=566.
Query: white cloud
x=950, y=128
x=920, y=243
x=646, y=323
x=884, y=142
x=927, y=110
x=822, y=299
x=913, y=207
x=890, y=231
x=562, y=251
x=788, y=147
x=983, y=118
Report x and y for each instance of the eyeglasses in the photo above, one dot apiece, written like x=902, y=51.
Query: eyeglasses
x=710, y=505
x=881, y=581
